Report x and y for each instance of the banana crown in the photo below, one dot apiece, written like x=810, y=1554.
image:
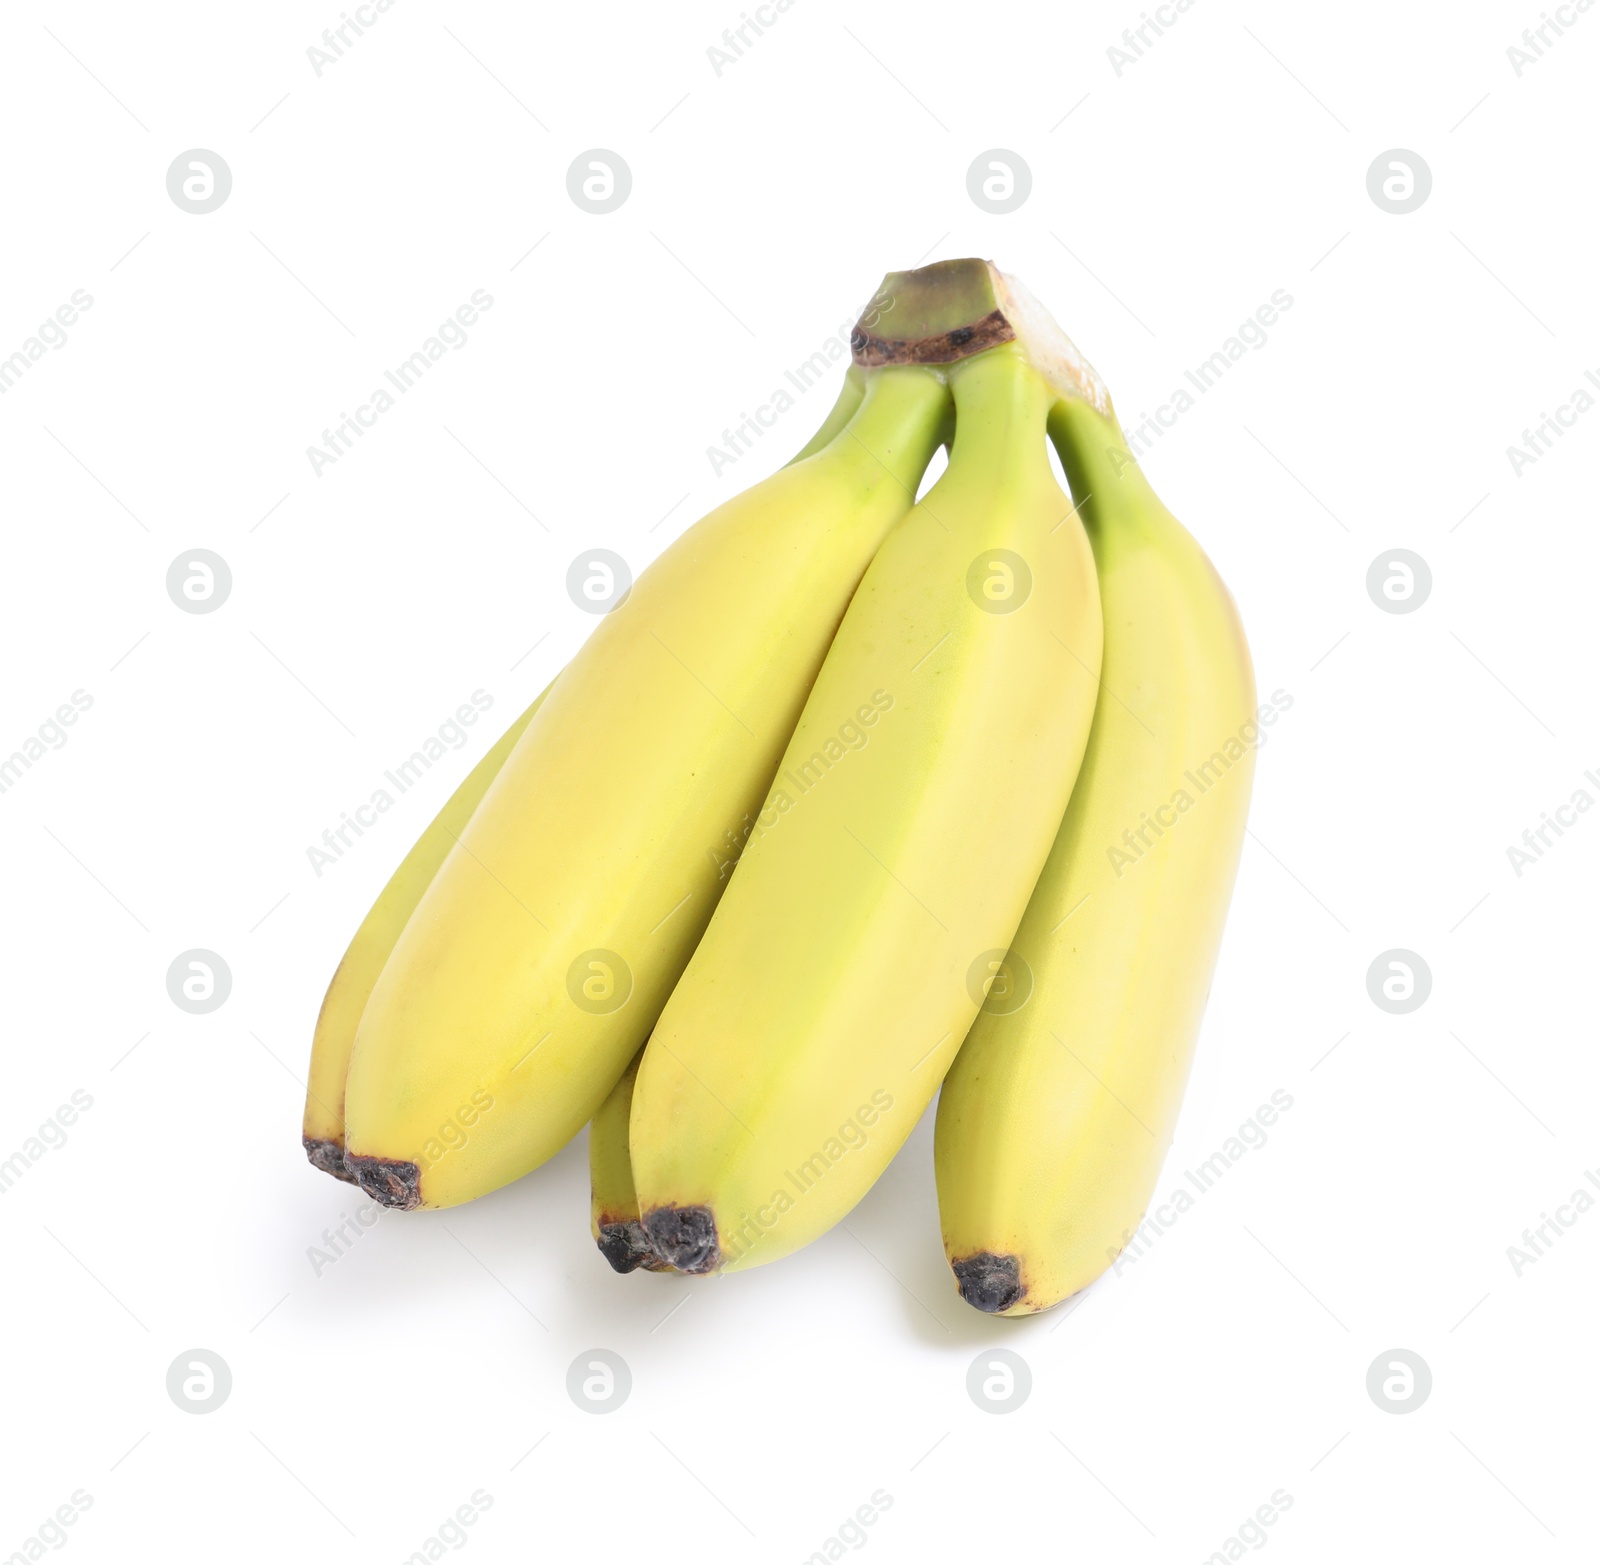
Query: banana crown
x=952, y=310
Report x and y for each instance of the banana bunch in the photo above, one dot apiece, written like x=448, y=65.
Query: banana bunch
x=854, y=794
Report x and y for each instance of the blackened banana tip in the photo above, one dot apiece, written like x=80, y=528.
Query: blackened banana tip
x=625, y=1246
x=327, y=1156
x=685, y=1237
x=388, y=1181
x=989, y=1282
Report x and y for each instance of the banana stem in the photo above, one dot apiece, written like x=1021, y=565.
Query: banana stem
x=843, y=410
x=1107, y=483
x=904, y=416
x=1001, y=407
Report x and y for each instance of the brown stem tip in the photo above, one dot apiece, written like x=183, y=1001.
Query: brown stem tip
x=932, y=315
x=328, y=1156
x=685, y=1237
x=953, y=309
x=388, y=1181
x=989, y=1282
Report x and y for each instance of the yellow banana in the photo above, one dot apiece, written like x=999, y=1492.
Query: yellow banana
x=322, y=1128
x=1054, y=1120
x=907, y=824
x=541, y=953
x=613, y=1204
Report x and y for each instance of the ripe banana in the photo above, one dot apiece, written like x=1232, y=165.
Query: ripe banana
x=613, y=1204
x=909, y=820
x=322, y=1128
x=1054, y=1120
x=540, y=955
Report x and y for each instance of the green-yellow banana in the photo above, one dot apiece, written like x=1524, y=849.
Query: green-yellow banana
x=322, y=1129
x=613, y=1203
x=1054, y=1120
x=542, y=951
x=904, y=831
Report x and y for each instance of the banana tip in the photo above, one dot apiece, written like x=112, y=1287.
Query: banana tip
x=328, y=1156
x=389, y=1181
x=989, y=1282
x=626, y=1248
x=685, y=1237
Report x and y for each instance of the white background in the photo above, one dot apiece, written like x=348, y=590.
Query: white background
x=371, y=1400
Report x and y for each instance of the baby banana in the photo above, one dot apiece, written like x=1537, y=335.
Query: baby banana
x=1054, y=1120
x=322, y=1128
x=542, y=951
x=911, y=814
